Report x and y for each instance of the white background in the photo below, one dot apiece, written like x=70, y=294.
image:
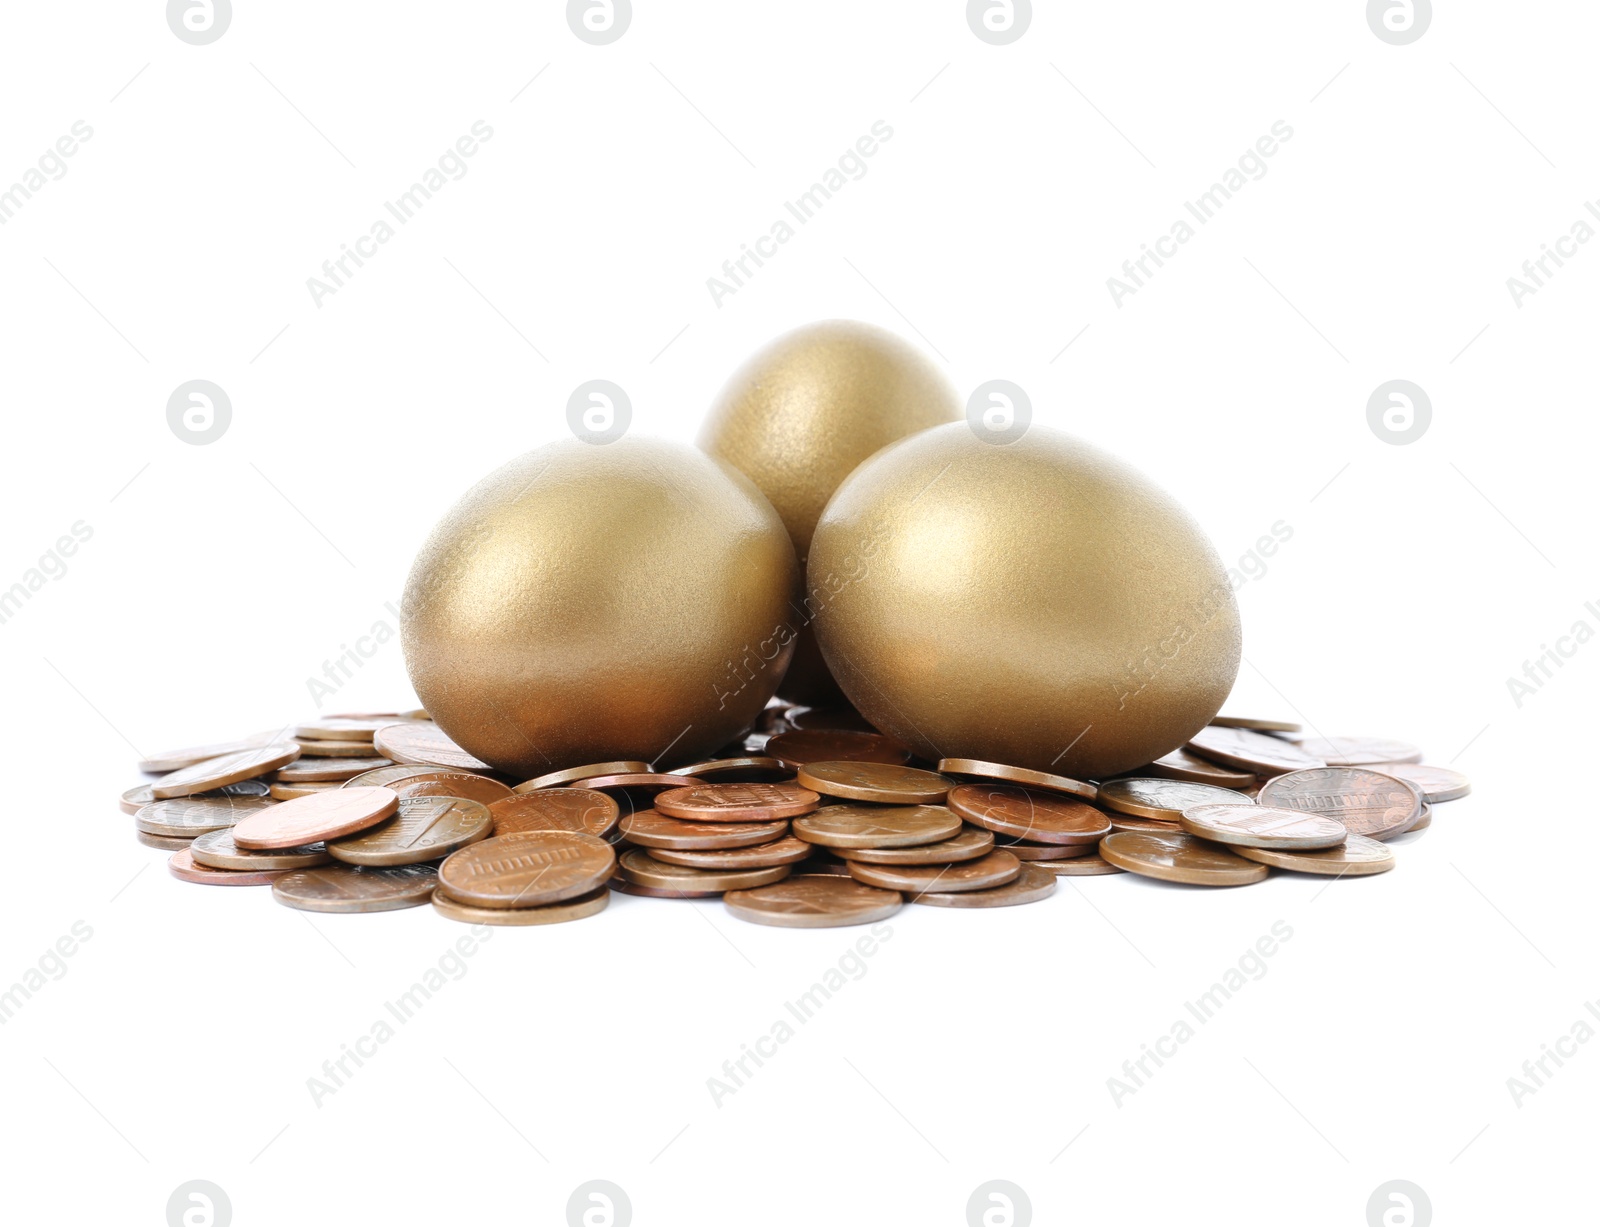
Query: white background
x=1018, y=179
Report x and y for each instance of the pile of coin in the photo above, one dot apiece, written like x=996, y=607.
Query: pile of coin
x=814, y=820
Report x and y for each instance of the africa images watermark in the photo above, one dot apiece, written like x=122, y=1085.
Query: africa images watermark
x=343, y=667
x=1536, y=272
x=1537, y=1071
x=1543, y=667
x=52, y=565
x=49, y=966
x=51, y=167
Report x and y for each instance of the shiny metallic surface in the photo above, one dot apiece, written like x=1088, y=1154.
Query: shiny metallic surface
x=1038, y=603
x=592, y=602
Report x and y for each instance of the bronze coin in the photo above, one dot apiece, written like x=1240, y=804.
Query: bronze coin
x=139, y=794
x=227, y=769
x=1262, y=826
x=754, y=856
x=881, y=783
x=182, y=866
x=1018, y=775
x=640, y=867
x=748, y=767
x=1127, y=822
x=186, y=817
x=317, y=770
x=144, y=794
x=1360, y=751
x=1424, y=819
x=343, y=728
x=167, y=843
x=814, y=901
x=830, y=865
x=1181, y=765
x=337, y=749
x=1080, y=867
x=279, y=791
x=1358, y=856
x=970, y=844
x=1025, y=851
x=216, y=850
x=623, y=886
x=556, y=809
x=737, y=802
x=835, y=746
x=1032, y=884
x=888, y=826
x=395, y=773
x=424, y=743
x=1366, y=802
x=1178, y=857
x=653, y=829
x=527, y=869
x=547, y=914
x=558, y=779
x=643, y=780
x=811, y=719
x=1438, y=784
x=319, y=817
x=422, y=829
x=1248, y=750
x=177, y=760
x=1163, y=799
x=1260, y=726
x=477, y=788
x=990, y=870
x=1026, y=813
x=355, y=888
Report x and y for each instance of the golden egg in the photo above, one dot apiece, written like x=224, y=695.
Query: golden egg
x=587, y=603
x=1038, y=603
x=801, y=414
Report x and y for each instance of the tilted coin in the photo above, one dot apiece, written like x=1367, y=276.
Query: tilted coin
x=177, y=760
x=139, y=794
x=479, y=788
x=737, y=802
x=890, y=826
x=1356, y=857
x=1178, y=857
x=1259, y=752
x=1163, y=799
x=167, y=843
x=993, y=869
x=279, y=791
x=814, y=901
x=653, y=829
x=546, y=914
x=337, y=749
x=973, y=767
x=319, y=817
x=1080, y=867
x=144, y=794
x=748, y=767
x=1025, y=851
x=186, y=817
x=882, y=783
x=809, y=719
x=1032, y=884
x=784, y=851
x=527, y=869
x=355, y=888
x=343, y=728
x=640, y=867
x=556, y=809
x=1262, y=826
x=425, y=743
x=1438, y=784
x=387, y=777
x=1027, y=813
x=318, y=770
x=1424, y=819
x=226, y=769
x=1181, y=765
x=646, y=782
x=1360, y=751
x=835, y=746
x=216, y=850
x=1366, y=802
x=588, y=771
x=1260, y=726
x=422, y=829
x=182, y=866
x=1128, y=822
x=970, y=844
x=621, y=885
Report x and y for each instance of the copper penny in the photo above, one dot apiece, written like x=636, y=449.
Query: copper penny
x=754, y=856
x=1030, y=885
x=1360, y=751
x=319, y=817
x=337, y=749
x=395, y=773
x=1018, y=775
x=547, y=914
x=1366, y=802
x=653, y=829
x=343, y=728
x=472, y=787
x=1262, y=826
x=144, y=794
x=177, y=760
x=623, y=886
x=990, y=870
x=527, y=869
x=317, y=770
x=1026, y=813
x=1250, y=722
x=1249, y=750
x=639, y=866
x=422, y=829
x=557, y=779
x=1025, y=851
x=814, y=901
x=882, y=783
x=810, y=719
x=1080, y=867
x=186, y=817
x=888, y=826
x=182, y=866
x=748, y=767
x=1178, y=857
x=1163, y=799
x=227, y=769
x=1424, y=819
x=167, y=843
x=829, y=865
x=970, y=844
x=1181, y=765
x=216, y=850
x=1357, y=857
x=1127, y=822
x=139, y=794
x=644, y=780
x=556, y=809
x=798, y=748
x=1438, y=784
x=288, y=792
x=737, y=802
x=424, y=743
x=354, y=888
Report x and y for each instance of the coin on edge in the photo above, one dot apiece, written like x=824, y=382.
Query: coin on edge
x=1081, y=789
x=994, y=869
x=970, y=844
x=354, y=888
x=527, y=869
x=216, y=850
x=652, y=829
x=814, y=901
x=1367, y=802
x=555, y=779
x=1029, y=886
x=882, y=783
x=182, y=866
x=1179, y=857
x=424, y=743
x=1262, y=826
x=737, y=802
x=640, y=867
x=228, y=769
x=1163, y=799
x=1245, y=748
x=319, y=817
x=422, y=829
x=546, y=914
x=556, y=809
x=1024, y=813
x=1438, y=784
x=890, y=826
x=1357, y=857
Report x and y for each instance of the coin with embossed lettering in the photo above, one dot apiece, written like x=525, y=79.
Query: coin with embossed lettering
x=814, y=901
x=477, y=788
x=183, y=867
x=186, y=817
x=216, y=850
x=422, y=829
x=753, y=856
x=227, y=769
x=652, y=829
x=1366, y=802
x=873, y=826
x=1245, y=748
x=1179, y=857
x=1031, y=884
x=977, y=769
x=319, y=817
x=577, y=908
x=1181, y=765
x=737, y=802
x=1262, y=826
x=882, y=783
x=798, y=748
x=388, y=777
x=1360, y=751
x=425, y=743
x=1438, y=784
x=527, y=869
x=558, y=779
x=992, y=869
x=640, y=867
x=356, y=888
x=556, y=809
x=1029, y=813
x=1163, y=799
x=970, y=844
